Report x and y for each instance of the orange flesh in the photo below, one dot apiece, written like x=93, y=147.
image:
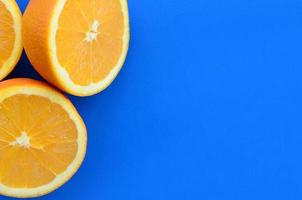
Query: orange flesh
x=7, y=34
x=38, y=141
x=89, y=39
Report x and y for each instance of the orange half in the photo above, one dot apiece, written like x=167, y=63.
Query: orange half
x=78, y=45
x=42, y=138
x=10, y=36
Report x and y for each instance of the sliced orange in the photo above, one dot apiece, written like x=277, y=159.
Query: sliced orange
x=77, y=45
x=42, y=138
x=10, y=36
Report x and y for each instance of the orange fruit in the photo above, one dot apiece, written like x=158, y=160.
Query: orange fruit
x=10, y=36
x=77, y=45
x=42, y=138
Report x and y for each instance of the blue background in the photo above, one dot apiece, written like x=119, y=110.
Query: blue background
x=208, y=106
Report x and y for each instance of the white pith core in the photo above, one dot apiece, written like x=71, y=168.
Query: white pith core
x=93, y=32
x=22, y=141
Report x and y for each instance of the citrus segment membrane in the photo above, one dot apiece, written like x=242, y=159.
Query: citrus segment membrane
x=38, y=141
x=77, y=45
x=7, y=34
x=89, y=47
x=10, y=36
x=42, y=138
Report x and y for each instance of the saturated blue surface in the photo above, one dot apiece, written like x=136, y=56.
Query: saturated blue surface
x=208, y=106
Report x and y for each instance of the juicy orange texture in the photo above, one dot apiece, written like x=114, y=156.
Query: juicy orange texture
x=7, y=34
x=89, y=47
x=10, y=36
x=51, y=144
x=78, y=45
x=42, y=138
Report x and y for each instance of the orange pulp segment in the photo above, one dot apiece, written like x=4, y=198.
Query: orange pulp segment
x=87, y=42
x=10, y=36
x=42, y=138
